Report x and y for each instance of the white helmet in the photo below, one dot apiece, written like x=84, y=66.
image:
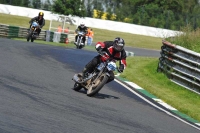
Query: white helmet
x=82, y=24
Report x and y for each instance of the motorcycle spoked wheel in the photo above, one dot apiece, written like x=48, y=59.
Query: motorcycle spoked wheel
x=79, y=46
x=29, y=36
x=32, y=39
x=94, y=88
x=77, y=87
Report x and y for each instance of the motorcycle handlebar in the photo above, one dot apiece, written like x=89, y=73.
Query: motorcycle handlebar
x=101, y=53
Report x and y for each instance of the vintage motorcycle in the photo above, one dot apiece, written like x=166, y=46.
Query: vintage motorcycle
x=94, y=82
x=80, y=43
x=32, y=32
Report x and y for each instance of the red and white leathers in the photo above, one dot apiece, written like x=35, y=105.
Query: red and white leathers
x=110, y=52
x=107, y=46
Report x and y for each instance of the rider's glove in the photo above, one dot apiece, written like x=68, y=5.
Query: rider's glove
x=120, y=69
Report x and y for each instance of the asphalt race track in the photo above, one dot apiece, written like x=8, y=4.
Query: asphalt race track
x=143, y=52
x=36, y=96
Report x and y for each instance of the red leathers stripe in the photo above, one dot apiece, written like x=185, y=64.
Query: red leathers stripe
x=101, y=44
x=123, y=61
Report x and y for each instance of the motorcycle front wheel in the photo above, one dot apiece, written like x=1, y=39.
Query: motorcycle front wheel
x=96, y=87
x=28, y=37
x=32, y=39
x=79, y=40
x=77, y=87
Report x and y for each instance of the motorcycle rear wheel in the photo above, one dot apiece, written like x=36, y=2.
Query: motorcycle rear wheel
x=94, y=89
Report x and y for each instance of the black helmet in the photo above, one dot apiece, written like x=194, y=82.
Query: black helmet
x=41, y=14
x=119, y=44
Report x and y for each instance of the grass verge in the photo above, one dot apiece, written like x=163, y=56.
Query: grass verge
x=190, y=39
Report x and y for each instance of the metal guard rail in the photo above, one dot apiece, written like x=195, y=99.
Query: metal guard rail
x=181, y=65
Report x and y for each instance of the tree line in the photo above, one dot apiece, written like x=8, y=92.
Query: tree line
x=168, y=14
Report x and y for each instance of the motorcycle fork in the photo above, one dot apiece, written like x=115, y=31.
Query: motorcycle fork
x=81, y=39
x=99, y=74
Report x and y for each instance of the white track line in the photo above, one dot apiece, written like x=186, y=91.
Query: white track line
x=167, y=112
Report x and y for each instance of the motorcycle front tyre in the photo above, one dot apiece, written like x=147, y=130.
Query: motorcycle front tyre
x=77, y=87
x=99, y=86
x=32, y=39
x=29, y=36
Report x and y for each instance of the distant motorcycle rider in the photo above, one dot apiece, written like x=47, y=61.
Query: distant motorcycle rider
x=40, y=20
x=110, y=50
x=82, y=28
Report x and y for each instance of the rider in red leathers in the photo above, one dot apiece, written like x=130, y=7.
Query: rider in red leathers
x=112, y=49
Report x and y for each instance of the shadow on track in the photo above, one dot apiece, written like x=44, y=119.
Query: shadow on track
x=99, y=95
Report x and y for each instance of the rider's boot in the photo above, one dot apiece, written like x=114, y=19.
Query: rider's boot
x=84, y=73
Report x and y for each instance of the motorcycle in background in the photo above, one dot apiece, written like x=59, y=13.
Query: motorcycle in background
x=94, y=81
x=80, y=44
x=32, y=32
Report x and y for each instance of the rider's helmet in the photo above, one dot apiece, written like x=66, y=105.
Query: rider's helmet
x=82, y=24
x=41, y=14
x=118, y=44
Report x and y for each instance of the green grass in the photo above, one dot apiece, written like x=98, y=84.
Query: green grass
x=189, y=40
x=140, y=70
x=132, y=40
x=99, y=34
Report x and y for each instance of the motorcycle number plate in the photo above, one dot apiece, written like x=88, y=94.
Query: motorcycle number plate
x=111, y=66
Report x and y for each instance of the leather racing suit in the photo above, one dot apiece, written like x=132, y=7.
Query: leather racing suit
x=84, y=29
x=107, y=47
x=40, y=22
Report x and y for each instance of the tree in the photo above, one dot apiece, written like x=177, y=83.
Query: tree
x=26, y=3
x=13, y=2
x=69, y=7
x=47, y=5
x=36, y=4
x=98, y=7
x=89, y=11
